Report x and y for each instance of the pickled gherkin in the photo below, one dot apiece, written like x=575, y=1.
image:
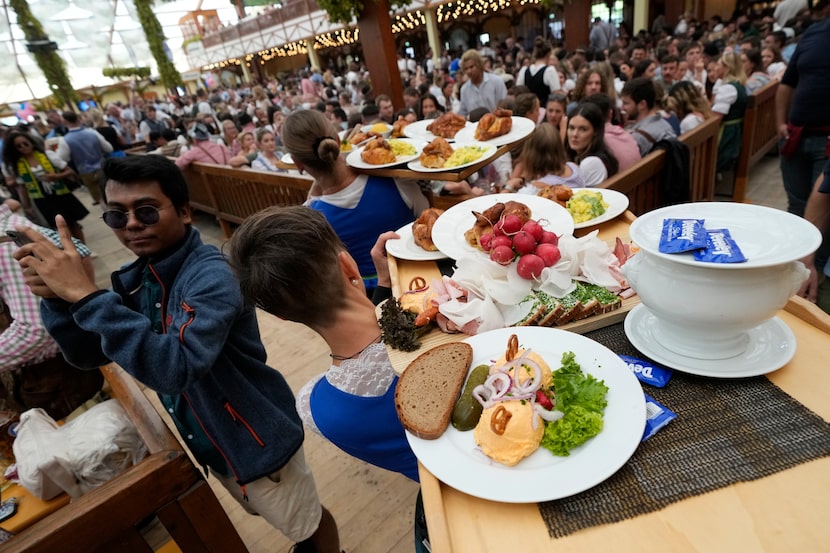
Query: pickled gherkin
x=467, y=409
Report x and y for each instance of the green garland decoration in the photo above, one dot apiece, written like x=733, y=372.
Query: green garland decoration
x=50, y=63
x=346, y=11
x=170, y=76
x=126, y=72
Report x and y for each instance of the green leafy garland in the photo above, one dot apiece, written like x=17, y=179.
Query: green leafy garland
x=346, y=11
x=155, y=38
x=125, y=72
x=50, y=63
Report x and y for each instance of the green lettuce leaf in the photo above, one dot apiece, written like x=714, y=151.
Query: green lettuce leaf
x=582, y=398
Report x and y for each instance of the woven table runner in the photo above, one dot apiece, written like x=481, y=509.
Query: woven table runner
x=726, y=431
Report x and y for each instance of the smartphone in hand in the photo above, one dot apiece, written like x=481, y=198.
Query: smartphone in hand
x=18, y=237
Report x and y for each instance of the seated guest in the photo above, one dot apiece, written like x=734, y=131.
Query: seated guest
x=248, y=150
x=618, y=140
x=585, y=144
x=754, y=70
x=36, y=374
x=358, y=207
x=267, y=155
x=429, y=107
x=555, y=112
x=166, y=143
x=645, y=123
x=203, y=149
x=687, y=102
x=230, y=132
x=544, y=163
x=527, y=105
x=774, y=64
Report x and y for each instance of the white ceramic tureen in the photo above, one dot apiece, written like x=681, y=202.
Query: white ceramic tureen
x=704, y=310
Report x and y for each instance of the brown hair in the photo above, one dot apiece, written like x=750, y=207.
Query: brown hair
x=311, y=139
x=685, y=98
x=286, y=261
x=543, y=153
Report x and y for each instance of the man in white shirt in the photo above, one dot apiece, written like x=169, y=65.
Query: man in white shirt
x=482, y=89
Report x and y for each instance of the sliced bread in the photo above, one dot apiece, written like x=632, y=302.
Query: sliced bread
x=429, y=387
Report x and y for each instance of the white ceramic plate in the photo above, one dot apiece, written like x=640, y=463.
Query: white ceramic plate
x=522, y=126
x=449, y=229
x=418, y=130
x=287, y=159
x=406, y=248
x=489, y=151
x=356, y=161
x=617, y=203
x=765, y=235
x=770, y=346
x=455, y=459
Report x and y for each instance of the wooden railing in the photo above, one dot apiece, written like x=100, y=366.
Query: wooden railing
x=760, y=135
x=232, y=195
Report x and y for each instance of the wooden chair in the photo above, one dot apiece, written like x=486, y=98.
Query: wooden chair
x=760, y=135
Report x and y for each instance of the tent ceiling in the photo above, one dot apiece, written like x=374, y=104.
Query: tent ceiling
x=91, y=35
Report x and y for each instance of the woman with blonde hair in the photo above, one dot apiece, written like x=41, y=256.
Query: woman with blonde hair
x=359, y=207
x=729, y=102
x=686, y=101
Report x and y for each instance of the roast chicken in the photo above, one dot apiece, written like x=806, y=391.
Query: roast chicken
x=558, y=193
x=436, y=153
x=422, y=228
x=378, y=152
x=447, y=125
x=494, y=124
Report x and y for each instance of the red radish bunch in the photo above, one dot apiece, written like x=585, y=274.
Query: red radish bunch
x=535, y=247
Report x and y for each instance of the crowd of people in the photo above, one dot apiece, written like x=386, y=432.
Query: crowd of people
x=180, y=319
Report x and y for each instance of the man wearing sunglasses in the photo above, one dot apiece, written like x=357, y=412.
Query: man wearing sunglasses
x=176, y=321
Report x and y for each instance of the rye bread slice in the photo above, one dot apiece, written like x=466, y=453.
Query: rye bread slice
x=429, y=387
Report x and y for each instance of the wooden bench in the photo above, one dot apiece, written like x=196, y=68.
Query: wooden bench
x=642, y=182
x=232, y=194
x=164, y=484
x=760, y=135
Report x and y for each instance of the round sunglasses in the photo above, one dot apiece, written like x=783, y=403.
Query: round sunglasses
x=147, y=215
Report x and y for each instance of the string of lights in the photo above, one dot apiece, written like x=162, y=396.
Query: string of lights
x=400, y=23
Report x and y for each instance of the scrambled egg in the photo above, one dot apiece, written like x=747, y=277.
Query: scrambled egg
x=464, y=155
x=401, y=148
x=585, y=205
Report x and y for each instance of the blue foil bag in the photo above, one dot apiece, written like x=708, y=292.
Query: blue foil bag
x=648, y=372
x=682, y=235
x=720, y=248
x=657, y=416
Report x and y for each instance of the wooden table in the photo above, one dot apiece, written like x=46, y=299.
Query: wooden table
x=165, y=484
x=783, y=512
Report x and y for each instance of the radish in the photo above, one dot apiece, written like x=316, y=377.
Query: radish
x=486, y=241
x=502, y=255
x=549, y=237
x=500, y=241
x=530, y=266
x=524, y=243
x=534, y=229
x=511, y=224
x=549, y=253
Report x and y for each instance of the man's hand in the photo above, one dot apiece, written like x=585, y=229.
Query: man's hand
x=378, y=254
x=51, y=272
x=809, y=289
x=783, y=132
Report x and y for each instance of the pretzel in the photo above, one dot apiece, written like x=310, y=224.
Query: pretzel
x=498, y=421
x=417, y=284
x=512, y=348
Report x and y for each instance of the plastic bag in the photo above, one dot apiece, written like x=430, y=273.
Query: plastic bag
x=79, y=456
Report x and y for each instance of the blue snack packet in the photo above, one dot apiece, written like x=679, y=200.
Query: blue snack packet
x=648, y=372
x=720, y=248
x=657, y=416
x=682, y=235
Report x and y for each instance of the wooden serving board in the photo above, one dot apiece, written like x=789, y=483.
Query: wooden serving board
x=402, y=272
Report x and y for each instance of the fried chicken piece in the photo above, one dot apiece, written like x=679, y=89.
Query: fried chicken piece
x=484, y=223
x=397, y=127
x=494, y=124
x=559, y=193
x=422, y=228
x=436, y=153
x=447, y=125
x=378, y=152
